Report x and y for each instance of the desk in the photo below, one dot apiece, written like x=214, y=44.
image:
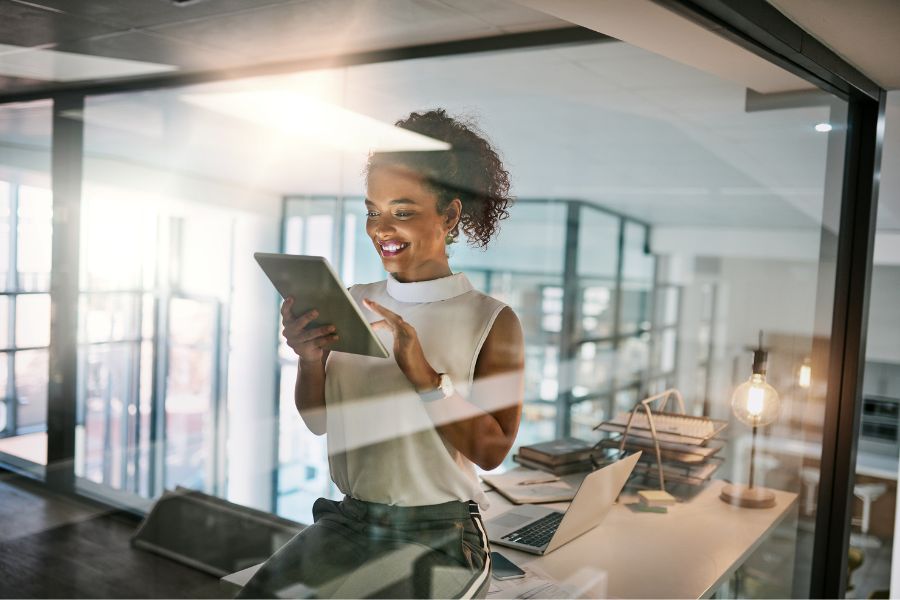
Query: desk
x=687, y=553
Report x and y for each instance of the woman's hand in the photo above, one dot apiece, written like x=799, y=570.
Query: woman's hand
x=308, y=344
x=407, y=349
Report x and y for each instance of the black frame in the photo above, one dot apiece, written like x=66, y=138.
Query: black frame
x=760, y=28
x=757, y=26
x=67, y=155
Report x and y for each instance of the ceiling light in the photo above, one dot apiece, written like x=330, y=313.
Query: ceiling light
x=823, y=127
x=325, y=123
x=52, y=65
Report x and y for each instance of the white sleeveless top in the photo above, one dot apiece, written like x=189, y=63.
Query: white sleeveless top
x=382, y=444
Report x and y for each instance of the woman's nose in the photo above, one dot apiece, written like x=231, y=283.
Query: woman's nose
x=383, y=227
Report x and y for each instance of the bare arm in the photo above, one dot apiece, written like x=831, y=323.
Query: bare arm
x=309, y=394
x=310, y=345
x=484, y=436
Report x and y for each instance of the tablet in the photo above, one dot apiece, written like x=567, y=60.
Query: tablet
x=314, y=285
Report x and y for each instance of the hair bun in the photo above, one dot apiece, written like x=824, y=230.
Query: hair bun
x=470, y=170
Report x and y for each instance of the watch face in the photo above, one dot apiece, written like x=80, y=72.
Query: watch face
x=446, y=385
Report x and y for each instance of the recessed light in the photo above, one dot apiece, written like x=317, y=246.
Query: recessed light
x=824, y=127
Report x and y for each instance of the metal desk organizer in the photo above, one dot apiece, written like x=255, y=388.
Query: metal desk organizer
x=672, y=428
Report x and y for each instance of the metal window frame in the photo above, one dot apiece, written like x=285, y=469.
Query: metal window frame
x=760, y=28
x=66, y=171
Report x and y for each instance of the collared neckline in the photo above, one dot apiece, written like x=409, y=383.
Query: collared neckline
x=433, y=290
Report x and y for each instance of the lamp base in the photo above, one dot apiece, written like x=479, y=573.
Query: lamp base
x=747, y=497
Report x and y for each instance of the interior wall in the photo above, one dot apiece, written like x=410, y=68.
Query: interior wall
x=883, y=342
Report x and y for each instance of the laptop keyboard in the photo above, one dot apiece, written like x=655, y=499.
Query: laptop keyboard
x=536, y=533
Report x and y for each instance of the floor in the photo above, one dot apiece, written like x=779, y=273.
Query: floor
x=31, y=447
x=875, y=572
x=52, y=546
x=55, y=546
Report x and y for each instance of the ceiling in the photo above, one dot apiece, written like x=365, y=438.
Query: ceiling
x=615, y=124
x=865, y=33
x=609, y=123
x=227, y=34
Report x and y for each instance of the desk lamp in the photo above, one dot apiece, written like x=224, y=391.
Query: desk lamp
x=755, y=403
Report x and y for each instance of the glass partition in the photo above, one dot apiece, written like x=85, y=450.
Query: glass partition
x=875, y=566
x=26, y=230
x=663, y=220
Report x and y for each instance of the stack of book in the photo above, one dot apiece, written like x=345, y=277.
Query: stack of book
x=560, y=457
x=687, y=444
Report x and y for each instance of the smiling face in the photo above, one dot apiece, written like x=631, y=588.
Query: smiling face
x=405, y=226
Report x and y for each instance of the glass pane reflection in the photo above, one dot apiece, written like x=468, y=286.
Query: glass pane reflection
x=190, y=421
x=31, y=372
x=32, y=320
x=35, y=235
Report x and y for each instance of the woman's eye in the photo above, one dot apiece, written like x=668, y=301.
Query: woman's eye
x=371, y=214
x=403, y=214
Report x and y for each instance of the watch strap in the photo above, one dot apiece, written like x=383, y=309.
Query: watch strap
x=435, y=394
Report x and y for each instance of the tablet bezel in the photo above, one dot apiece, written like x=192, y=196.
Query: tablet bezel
x=274, y=265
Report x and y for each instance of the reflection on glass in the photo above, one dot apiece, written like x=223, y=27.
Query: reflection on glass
x=4, y=322
x=31, y=388
x=108, y=317
x=115, y=234
x=5, y=191
x=35, y=238
x=189, y=393
x=594, y=373
x=635, y=308
x=598, y=243
x=108, y=416
x=26, y=231
x=32, y=320
x=706, y=176
x=7, y=404
x=597, y=311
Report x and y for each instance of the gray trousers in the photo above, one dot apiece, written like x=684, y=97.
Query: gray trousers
x=357, y=549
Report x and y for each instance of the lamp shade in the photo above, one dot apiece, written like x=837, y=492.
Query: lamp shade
x=755, y=402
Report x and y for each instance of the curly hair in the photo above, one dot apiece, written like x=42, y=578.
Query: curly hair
x=470, y=170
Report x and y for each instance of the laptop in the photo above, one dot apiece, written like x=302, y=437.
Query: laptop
x=540, y=530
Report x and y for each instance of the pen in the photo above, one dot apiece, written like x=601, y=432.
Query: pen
x=534, y=481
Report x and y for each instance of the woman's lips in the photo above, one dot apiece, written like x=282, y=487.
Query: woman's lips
x=392, y=248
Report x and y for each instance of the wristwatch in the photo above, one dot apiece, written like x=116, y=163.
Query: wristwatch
x=444, y=390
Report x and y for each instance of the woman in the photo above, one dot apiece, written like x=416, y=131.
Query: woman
x=404, y=433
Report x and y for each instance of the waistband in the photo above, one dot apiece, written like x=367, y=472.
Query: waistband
x=454, y=510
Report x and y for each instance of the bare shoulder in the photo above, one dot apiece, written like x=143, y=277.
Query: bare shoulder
x=504, y=347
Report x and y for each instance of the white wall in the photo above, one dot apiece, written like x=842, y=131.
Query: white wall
x=883, y=343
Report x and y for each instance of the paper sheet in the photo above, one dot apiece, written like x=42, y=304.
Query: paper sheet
x=530, y=586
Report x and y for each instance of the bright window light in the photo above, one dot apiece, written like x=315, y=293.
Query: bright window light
x=52, y=65
x=823, y=127
x=315, y=119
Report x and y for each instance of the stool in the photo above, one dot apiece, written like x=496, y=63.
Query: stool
x=810, y=478
x=868, y=493
x=855, y=559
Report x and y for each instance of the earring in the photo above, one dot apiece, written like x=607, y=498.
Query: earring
x=451, y=236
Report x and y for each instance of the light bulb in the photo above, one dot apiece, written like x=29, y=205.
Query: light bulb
x=755, y=402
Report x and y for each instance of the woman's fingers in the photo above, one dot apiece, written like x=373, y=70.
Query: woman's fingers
x=324, y=341
x=318, y=332
x=382, y=324
x=297, y=322
x=389, y=316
